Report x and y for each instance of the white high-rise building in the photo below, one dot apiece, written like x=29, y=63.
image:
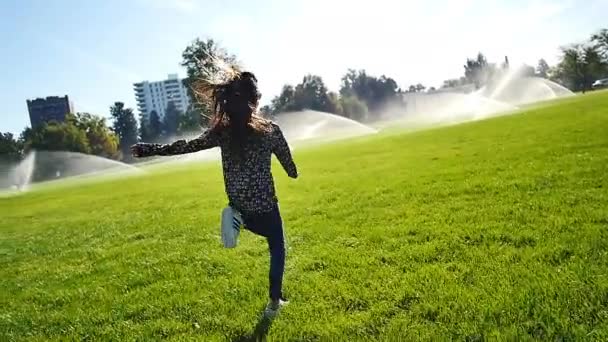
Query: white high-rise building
x=155, y=96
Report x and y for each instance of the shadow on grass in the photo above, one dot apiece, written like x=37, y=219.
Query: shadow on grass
x=260, y=331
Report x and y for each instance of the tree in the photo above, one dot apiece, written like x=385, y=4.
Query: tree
x=542, y=70
x=569, y=69
x=150, y=127
x=144, y=128
x=579, y=66
x=417, y=88
x=266, y=111
x=56, y=136
x=353, y=83
x=451, y=83
x=125, y=127
x=594, y=65
x=204, y=59
x=171, y=120
x=82, y=132
x=285, y=102
x=600, y=39
x=155, y=126
x=354, y=108
x=102, y=141
x=478, y=71
x=375, y=92
x=26, y=136
x=335, y=103
x=358, y=93
x=312, y=94
x=190, y=121
x=11, y=152
x=11, y=149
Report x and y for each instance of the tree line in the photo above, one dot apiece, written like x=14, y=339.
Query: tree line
x=92, y=134
x=582, y=63
x=361, y=97
x=80, y=132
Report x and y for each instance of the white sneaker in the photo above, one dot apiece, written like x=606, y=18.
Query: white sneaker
x=230, y=227
x=274, y=306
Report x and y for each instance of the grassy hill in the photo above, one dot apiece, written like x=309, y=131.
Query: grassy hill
x=492, y=229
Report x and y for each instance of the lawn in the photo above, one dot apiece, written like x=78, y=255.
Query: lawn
x=496, y=229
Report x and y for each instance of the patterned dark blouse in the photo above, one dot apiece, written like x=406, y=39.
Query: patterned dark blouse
x=247, y=178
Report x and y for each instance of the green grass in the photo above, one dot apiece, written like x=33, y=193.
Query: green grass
x=489, y=230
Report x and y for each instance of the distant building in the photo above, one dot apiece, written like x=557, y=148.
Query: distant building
x=52, y=108
x=155, y=96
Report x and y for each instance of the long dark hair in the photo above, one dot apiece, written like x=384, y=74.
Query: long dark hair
x=233, y=104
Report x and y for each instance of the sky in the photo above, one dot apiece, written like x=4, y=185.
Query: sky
x=95, y=50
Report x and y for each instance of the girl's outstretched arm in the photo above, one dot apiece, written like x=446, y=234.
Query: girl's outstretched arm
x=207, y=140
x=281, y=149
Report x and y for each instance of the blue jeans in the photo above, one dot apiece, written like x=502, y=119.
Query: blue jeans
x=270, y=226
